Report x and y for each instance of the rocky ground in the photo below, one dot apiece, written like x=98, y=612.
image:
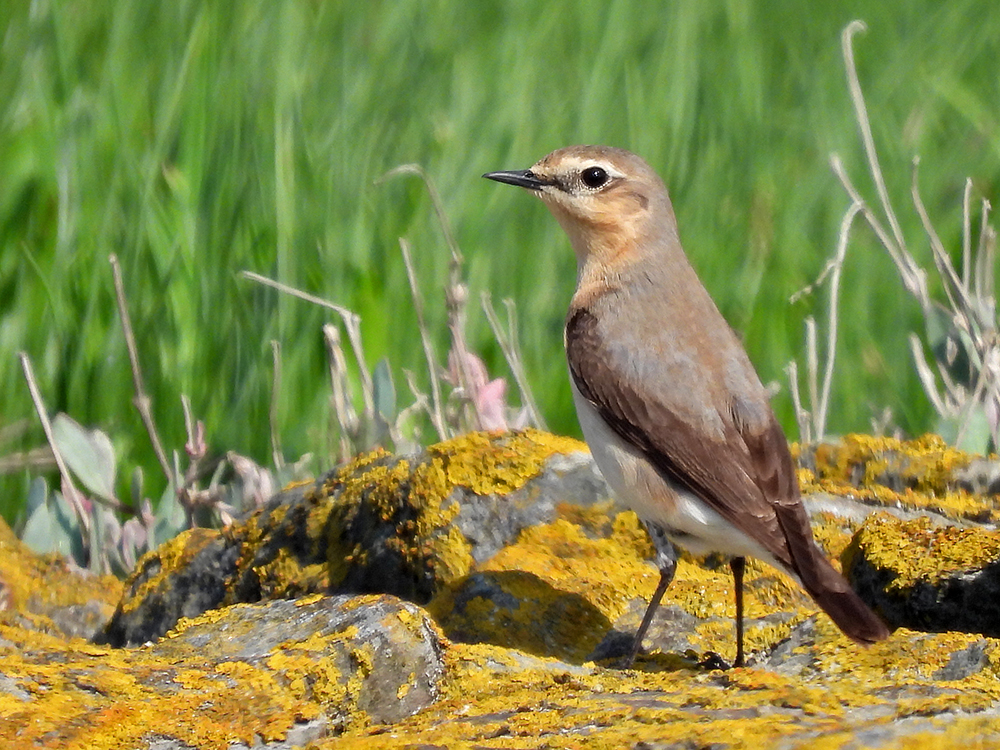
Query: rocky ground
x=480, y=595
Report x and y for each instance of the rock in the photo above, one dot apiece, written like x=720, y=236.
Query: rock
x=402, y=525
x=926, y=576
x=918, y=476
x=885, y=696
x=555, y=591
x=49, y=594
x=980, y=477
x=375, y=654
x=538, y=593
x=272, y=674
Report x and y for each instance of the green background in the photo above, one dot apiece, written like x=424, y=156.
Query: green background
x=199, y=139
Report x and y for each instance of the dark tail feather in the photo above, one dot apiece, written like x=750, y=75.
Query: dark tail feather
x=828, y=588
x=835, y=596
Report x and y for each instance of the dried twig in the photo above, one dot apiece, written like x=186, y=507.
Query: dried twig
x=914, y=278
x=436, y=409
x=419, y=171
x=958, y=297
x=456, y=296
x=801, y=415
x=35, y=459
x=343, y=406
x=812, y=369
x=142, y=401
x=272, y=413
x=70, y=491
x=195, y=445
x=511, y=352
x=821, y=408
x=456, y=293
x=352, y=324
x=966, y=231
x=971, y=307
x=861, y=111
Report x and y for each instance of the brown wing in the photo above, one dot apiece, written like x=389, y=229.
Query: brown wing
x=740, y=471
x=740, y=466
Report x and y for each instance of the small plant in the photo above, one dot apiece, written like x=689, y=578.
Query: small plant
x=86, y=524
x=961, y=331
x=95, y=528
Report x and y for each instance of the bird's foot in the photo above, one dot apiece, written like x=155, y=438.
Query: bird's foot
x=712, y=660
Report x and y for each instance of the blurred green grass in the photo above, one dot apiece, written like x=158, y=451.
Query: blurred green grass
x=198, y=139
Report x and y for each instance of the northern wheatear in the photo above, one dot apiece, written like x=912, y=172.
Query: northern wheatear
x=670, y=405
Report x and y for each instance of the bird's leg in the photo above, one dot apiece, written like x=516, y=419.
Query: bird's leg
x=738, y=565
x=666, y=561
x=666, y=576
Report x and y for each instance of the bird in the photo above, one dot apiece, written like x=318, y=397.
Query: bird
x=668, y=400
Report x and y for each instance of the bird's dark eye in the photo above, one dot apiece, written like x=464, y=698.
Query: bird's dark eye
x=594, y=177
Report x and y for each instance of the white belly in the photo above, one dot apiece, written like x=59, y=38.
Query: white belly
x=685, y=518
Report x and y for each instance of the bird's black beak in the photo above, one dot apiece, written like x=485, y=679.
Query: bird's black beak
x=521, y=177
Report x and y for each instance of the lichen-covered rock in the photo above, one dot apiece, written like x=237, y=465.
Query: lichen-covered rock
x=532, y=587
x=403, y=525
x=927, y=576
x=411, y=526
x=555, y=591
x=892, y=695
x=921, y=475
x=49, y=594
x=251, y=673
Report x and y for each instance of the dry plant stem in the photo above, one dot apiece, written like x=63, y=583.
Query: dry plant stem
x=966, y=233
x=854, y=84
x=456, y=292
x=36, y=459
x=456, y=296
x=511, y=352
x=953, y=393
x=517, y=366
x=986, y=260
x=880, y=423
x=420, y=398
x=272, y=414
x=969, y=406
x=343, y=407
x=142, y=400
x=352, y=324
x=927, y=377
x=958, y=297
x=420, y=404
x=971, y=307
x=195, y=446
x=73, y=495
x=913, y=277
x=801, y=415
x=419, y=171
x=821, y=408
x=812, y=370
x=436, y=411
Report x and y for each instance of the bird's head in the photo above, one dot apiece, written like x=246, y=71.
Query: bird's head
x=608, y=200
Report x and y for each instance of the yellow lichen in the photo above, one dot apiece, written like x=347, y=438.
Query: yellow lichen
x=922, y=472
x=570, y=587
x=573, y=584
x=35, y=583
x=170, y=556
x=921, y=550
x=415, y=496
x=499, y=463
x=284, y=576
